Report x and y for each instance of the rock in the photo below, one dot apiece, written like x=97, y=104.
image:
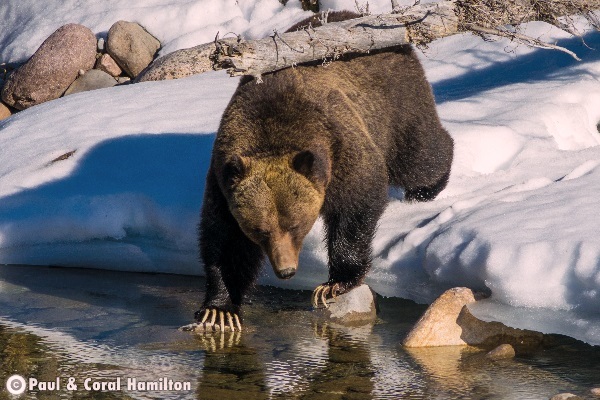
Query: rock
x=6, y=69
x=179, y=64
x=122, y=80
x=131, y=46
x=106, y=64
x=596, y=391
x=566, y=396
x=4, y=111
x=502, y=352
x=91, y=80
x=356, y=307
x=100, y=45
x=52, y=68
x=438, y=326
x=448, y=322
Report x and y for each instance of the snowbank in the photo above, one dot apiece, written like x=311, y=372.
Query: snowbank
x=519, y=216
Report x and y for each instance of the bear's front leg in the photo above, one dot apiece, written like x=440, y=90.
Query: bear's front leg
x=231, y=263
x=349, y=238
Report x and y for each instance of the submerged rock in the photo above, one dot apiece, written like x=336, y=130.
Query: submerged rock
x=566, y=396
x=502, y=352
x=52, y=68
x=448, y=322
x=131, y=46
x=596, y=391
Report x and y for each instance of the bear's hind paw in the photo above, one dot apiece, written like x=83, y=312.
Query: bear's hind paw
x=319, y=296
x=212, y=319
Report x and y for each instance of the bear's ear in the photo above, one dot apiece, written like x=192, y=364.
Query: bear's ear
x=234, y=170
x=313, y=165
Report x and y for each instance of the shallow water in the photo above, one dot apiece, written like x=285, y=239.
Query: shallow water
x=101, y=325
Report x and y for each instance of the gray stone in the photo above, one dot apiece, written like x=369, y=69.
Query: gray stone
x=52, y=68
x=4, y=111
x=107, y=64
x=566, y=396
x=91, y=80
x=502, y=352
x=448, y=322
x=131, y=46
x=355, y=307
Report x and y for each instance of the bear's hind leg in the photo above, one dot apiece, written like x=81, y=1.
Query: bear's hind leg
x=427, y=193
x=423, y=165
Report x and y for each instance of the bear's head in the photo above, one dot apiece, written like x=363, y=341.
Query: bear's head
x=276, y=201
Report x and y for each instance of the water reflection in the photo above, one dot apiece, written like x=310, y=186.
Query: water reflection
x=330, y=362
x=106, y=325
x=232, y=369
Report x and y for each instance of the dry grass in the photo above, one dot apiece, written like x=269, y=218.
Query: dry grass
x=495, y=13
x=502, y=18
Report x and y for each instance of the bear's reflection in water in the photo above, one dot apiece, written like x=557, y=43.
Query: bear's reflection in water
x=331, y=362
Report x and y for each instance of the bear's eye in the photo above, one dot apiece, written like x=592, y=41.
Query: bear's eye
x=294, y=228
x=261, y=232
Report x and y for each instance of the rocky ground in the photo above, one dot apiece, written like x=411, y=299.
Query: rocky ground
x=73, y=60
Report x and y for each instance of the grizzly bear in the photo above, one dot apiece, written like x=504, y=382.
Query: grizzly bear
x=308, y=141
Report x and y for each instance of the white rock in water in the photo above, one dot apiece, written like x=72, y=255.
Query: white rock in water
x=354, y=307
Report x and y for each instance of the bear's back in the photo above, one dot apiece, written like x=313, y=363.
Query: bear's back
x=382, y=94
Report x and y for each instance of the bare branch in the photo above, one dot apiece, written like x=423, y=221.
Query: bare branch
x=418, y=24
x=528, y=40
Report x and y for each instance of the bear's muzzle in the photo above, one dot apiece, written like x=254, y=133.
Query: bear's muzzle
x=283, y=256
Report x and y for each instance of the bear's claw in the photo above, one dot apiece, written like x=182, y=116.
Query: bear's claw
x=209, y=321
x=321, y=292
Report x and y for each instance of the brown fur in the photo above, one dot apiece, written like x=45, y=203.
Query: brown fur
x=317, y=140
x=275, y=208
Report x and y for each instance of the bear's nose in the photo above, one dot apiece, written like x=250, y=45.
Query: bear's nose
x=286, y=273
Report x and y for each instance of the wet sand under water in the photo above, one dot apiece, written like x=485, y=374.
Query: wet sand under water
x=102, y=325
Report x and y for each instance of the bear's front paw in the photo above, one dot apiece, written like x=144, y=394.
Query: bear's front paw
x=325, y=291
x=215, y=319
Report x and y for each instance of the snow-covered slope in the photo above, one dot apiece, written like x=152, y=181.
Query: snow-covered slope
x=519, y=216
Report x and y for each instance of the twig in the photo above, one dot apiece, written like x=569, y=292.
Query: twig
x=528, y=40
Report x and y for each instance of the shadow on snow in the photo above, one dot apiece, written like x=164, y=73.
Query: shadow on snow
x=540, y=65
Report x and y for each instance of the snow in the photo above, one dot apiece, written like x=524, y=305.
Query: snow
x=176, y=23
x=518, y=218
